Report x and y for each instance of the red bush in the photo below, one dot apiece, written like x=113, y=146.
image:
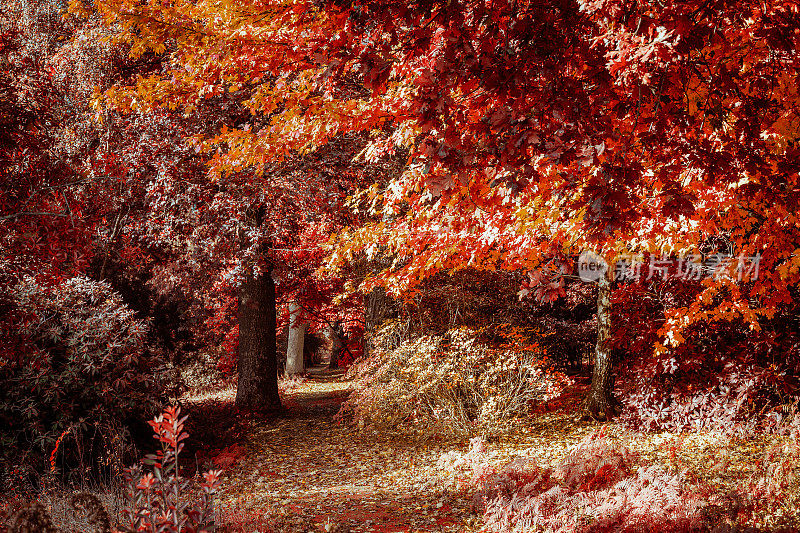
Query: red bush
x=79, y=362
x=728, y=377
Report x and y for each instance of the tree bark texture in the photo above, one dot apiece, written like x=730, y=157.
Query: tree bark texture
x=600, y=403
x=334, y=342
x=374, y=313
x=258, y=373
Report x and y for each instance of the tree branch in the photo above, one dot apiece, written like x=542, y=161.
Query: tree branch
x=33, y=214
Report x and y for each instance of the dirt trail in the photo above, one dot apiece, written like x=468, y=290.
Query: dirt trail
x=305, y=472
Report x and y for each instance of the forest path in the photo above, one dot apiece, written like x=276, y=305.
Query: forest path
x=305, y=472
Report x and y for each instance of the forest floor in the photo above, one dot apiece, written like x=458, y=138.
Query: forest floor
x=304, y=471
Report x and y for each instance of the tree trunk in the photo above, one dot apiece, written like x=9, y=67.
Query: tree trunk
x=258, y=373
x=296, y=339
x=374, y=313
x=600, y=404
x=334, y=342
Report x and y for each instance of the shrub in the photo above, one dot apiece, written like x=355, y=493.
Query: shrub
x=728, y=378
x=157, y=502
x=701, y=392
x=78, y=371
x=158, y=499
x=595, y=463
x=773, y=490
x=595, y=489
x=456, y=382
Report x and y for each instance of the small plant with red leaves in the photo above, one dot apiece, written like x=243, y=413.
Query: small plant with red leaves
x=157, y=499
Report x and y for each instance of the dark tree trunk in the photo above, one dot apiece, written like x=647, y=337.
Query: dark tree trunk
x=600, y=404
x=258, y=366
x=374, y=313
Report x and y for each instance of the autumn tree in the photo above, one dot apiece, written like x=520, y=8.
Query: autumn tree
x=530, y=129
x=599, y=126
x=280, y=184
x=47, y=223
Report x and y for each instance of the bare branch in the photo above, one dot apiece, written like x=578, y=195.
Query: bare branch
x=33, y=214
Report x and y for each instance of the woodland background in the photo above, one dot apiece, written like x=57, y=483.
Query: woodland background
x=204, y=202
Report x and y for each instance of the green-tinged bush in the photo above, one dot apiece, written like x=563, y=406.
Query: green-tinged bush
x=75, y=372
x=458, y=382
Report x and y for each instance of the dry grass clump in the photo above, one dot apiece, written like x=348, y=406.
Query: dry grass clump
x=457, y=383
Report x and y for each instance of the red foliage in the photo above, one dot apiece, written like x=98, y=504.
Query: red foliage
x=729, y=377
x=46, y=212
x=157, y=499
x=594, y=490
x=228, y=456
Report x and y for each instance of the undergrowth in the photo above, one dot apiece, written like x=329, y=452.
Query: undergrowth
x=462, y=382
x=79, y=374
x=601, y=486
x=156, y=498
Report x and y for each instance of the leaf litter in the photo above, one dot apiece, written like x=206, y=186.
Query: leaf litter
x=305, y=472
